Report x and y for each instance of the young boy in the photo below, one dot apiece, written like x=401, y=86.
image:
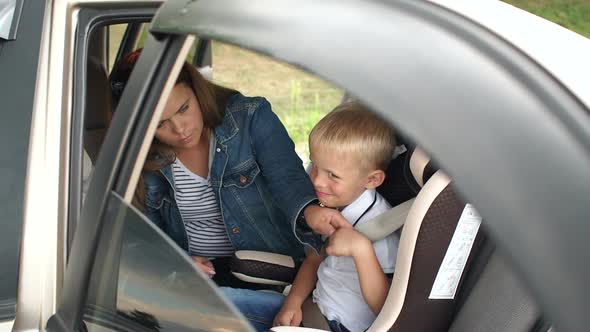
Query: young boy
x=349, y=149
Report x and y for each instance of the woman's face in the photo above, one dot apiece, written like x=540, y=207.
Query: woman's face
x=181, y=124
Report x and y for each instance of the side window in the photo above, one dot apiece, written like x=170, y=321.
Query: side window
x=140, y=279
x=299, y=99
x=142, y=282
x=124, y=38
x=116, y=33
x=103, y=54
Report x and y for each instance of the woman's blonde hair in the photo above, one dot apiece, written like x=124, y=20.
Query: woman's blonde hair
x=353, y=130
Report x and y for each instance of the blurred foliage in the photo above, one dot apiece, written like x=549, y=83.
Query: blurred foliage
x=571, y=14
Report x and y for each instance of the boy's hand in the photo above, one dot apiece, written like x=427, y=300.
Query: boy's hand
x=347, y=242
x=288, y=316
x=324, y=221
x=204, y=265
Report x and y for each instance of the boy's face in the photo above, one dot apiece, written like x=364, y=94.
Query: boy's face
x=338, y=180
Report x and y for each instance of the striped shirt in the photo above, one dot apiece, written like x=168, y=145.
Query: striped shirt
x=207, y=235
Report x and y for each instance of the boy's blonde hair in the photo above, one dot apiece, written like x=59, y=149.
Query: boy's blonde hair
x=352, y=129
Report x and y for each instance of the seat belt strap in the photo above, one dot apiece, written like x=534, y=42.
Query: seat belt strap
x=386, y=223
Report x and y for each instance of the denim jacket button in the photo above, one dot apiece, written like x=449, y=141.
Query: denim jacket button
x=235, y=230
x=218, y=150
x=243, y=179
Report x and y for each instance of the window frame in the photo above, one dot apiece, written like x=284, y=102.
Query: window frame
x=90, y=20
x=118, y=160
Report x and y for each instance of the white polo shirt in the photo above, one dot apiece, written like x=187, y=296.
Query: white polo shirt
x=338, y=292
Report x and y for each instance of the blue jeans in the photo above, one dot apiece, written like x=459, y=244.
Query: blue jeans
x=335, y=326
x=259, y=307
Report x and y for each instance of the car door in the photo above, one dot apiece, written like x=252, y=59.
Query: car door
x=408, y=83
x=50, y=86
x=119, y=281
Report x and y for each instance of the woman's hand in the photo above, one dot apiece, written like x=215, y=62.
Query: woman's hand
x=348, y=242
x=324, y=221
x=288, y=316
x=204, y=265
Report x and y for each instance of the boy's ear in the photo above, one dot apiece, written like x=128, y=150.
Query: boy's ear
x=375, y=179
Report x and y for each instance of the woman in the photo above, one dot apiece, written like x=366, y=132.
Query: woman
x=222, y=175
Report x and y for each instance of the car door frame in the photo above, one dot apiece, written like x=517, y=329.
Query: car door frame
x=117, y=168
x=90, y=19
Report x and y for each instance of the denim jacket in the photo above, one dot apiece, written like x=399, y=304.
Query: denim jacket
x=258, y=180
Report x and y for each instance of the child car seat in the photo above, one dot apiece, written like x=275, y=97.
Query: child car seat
x=422, y=296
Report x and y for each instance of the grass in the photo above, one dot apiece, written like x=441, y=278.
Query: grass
x=571, y=14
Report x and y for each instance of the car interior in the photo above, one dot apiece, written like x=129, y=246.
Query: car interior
x=481, y=294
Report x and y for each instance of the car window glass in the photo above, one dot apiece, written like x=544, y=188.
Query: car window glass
x=141, y=280
x=299, y=98
x=98, y=105
x=116, y=32
x=116, y=36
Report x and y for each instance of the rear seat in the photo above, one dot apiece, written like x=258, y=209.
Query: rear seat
x=96, y=117
x=98, y=106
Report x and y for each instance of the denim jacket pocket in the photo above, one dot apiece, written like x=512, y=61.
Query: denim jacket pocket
x=154, y=199
x=242, y=175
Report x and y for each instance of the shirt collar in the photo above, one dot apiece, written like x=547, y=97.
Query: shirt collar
x=355, y=209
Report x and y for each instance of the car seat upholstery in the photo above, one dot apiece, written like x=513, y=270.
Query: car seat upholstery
x=266, y=268
x=498, y=302
x=98, y=107
x=427, y=233
x=425, y=239
x=399, y=185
